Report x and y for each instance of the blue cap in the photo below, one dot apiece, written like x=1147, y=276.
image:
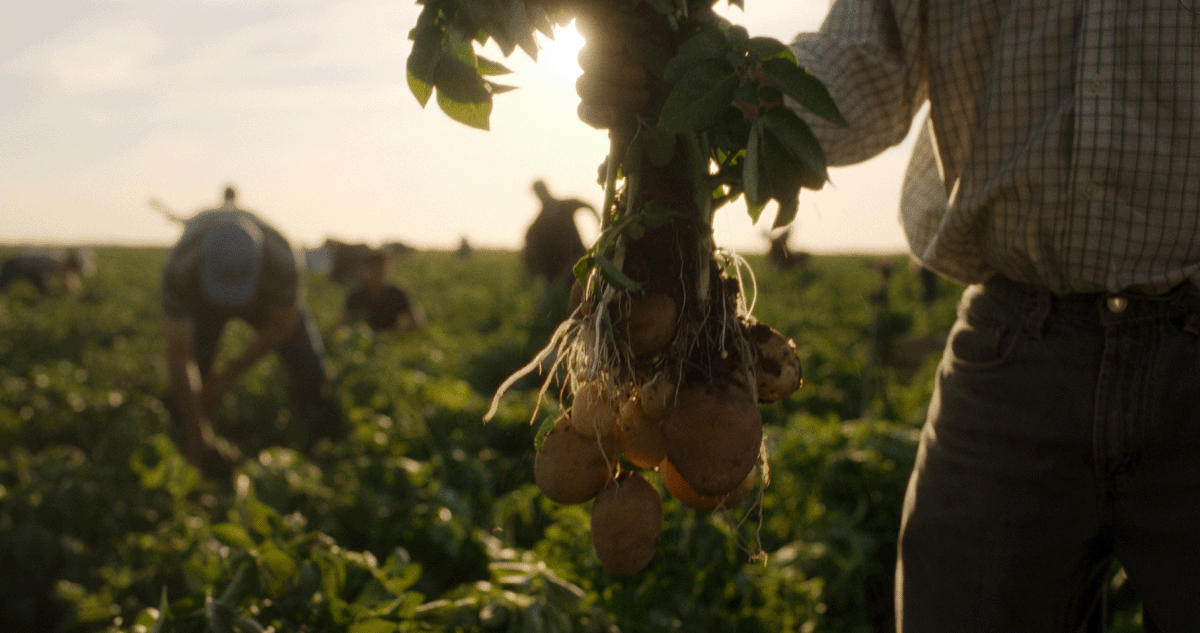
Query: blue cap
x=232, y=262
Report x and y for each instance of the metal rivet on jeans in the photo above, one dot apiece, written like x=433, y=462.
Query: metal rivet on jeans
x=1117, y=304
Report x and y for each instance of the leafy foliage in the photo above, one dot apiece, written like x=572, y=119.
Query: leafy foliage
x=443, y=58
x=426, y=519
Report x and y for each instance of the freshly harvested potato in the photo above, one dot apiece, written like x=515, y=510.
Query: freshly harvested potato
x=626, y=524
x=640, y=436
x=649, y=323
x=595, y=410
x=777, y=368
x=570, y=468
x=713, y=434
x=680, y=489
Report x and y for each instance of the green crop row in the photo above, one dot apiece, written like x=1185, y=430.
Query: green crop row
x=425, y=518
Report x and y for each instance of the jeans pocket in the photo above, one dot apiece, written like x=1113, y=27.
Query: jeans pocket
x=987, y=330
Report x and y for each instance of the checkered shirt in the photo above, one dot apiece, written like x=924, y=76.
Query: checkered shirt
x=1062, y=146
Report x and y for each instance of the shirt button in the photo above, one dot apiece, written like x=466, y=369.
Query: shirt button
x=1117, y=305
x=1088, y=191
x=1095, y=86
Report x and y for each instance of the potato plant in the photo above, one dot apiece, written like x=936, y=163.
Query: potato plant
x=659, y=312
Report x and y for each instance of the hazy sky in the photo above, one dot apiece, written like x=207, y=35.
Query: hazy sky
x=304, y=106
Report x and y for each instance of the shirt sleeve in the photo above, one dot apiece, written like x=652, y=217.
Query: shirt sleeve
x=923, y=197
x=870, y=54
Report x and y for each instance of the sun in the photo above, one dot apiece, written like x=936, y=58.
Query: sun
x=556, y=67
x=558, y=58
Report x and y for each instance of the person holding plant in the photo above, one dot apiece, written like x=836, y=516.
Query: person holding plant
x=1058, y=176
x=230, y=264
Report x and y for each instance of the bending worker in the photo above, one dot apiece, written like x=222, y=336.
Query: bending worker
x=230, y=264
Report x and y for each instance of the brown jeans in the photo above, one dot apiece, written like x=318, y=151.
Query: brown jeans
x=1064, y=432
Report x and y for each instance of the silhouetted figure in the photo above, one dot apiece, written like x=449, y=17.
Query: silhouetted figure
x=397, y=249
x=780, y=256
x=379, y=303
x=464, y=249
x=344, y=259
x=552, y=242
x=39, y=269
x=230, y=264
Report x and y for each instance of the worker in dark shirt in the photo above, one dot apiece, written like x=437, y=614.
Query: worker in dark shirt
x=379, y=303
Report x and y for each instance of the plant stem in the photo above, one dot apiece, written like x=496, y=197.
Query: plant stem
x=610, y=179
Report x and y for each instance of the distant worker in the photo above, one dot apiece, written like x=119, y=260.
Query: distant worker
x=39, y=269
x=465, y=251
x=379, y=303
x=344, y=260
x=782, y=257
x=552, y=242
x=230, y=264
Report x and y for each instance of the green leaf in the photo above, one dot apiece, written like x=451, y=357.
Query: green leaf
x=781, y=176
x=581, y=269
x=751, y=168
x=702, y=94
x=374, y=626
x=798, y=139
x=486, y=18
x=332, y=573
x=459, y=82
x=421, y=90
x=769, y=48
x=615, y=276
x=540, y=20
x=747, y=92
x=769, y=94
x=665, y=7
x=517, y=24
x=246, y=623
x=655, y=215
x=705, y=44
x=163, y=608
x=804, y=87
x=755, y=211
x=259, y=516
x=476, y=114
x=233, y=535
x=406, y=606
x=739, y=38
x=787, y=212
x=542, y=432
x=422, y=62
x=497, y=89
x=485, y=66
x=277, y=568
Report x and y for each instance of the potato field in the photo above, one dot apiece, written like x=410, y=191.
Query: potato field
x=426, y=518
